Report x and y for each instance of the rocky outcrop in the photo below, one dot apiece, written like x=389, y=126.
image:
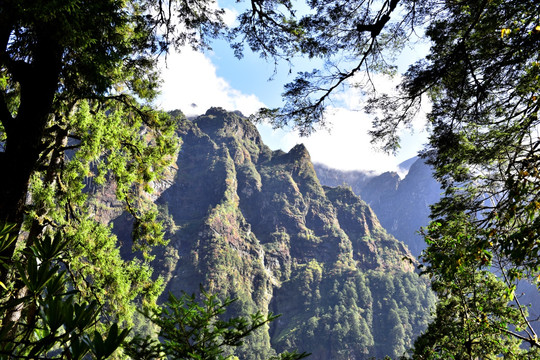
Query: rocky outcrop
x=401, y=205
x=257, y=225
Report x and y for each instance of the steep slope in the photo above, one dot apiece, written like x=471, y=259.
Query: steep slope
x=257, y=225
x=401, y=205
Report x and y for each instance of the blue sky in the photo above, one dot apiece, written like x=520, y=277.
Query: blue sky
x=193, y=82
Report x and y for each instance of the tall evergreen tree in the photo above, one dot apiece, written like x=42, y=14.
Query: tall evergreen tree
x=56, y=56
x=77, y=79
x=482, y=76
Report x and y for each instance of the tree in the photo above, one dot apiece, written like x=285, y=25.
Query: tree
x=351, y=37
x=57, y=321
x=191, y=329
x=77, y=78
x=57, y=56
x=482, y=76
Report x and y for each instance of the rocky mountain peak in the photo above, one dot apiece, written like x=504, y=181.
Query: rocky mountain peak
x=257, y=225
x=220, y=123
x=401, y=205
x=299, y=151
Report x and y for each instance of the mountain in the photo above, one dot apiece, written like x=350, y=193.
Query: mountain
x=402, y=205
x=257, y=225
x=355, y=179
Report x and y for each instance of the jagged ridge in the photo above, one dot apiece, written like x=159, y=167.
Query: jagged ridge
x=257, y=225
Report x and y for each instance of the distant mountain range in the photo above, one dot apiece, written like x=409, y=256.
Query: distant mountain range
x=257, y=225
x=401, y=205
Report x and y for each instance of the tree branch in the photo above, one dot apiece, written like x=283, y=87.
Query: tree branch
x=376, y=28
x=5, y=115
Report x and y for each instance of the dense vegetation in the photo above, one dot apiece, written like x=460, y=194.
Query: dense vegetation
x=484, y=147
x=76, y=78
x=402, y=205
x=256, y=225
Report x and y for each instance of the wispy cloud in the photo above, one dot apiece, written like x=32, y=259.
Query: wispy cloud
x=190, y=83
x=346, y=144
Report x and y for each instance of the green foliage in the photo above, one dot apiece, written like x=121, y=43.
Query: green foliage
x=113, y=159
x=195, y=330
x=343, y=312
x=401, y=305
x=472, y=319
x=483, y=80
x=54, y=320
x=369, y=33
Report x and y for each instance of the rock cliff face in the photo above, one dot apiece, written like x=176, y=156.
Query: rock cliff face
x=401, y=205
x=256, y=225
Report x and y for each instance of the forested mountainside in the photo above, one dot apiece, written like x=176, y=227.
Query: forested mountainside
x=401, y=205
x=256, y=225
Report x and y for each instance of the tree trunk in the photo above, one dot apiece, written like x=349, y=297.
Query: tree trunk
x=25, y=141
x=25, y=133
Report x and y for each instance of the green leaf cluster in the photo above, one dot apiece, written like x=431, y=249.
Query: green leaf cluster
x=54, y=320
x=110, y=157
x=339, y=313
x=482, y=80
x=191, y=329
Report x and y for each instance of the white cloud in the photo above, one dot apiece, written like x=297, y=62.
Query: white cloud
x=347, y=143
x=190, y=83
x=230, y=16
x=345, y=146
